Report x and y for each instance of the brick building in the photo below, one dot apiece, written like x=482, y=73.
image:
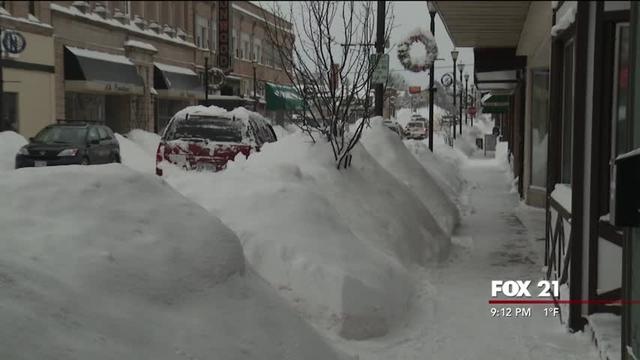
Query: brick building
x=133, y=64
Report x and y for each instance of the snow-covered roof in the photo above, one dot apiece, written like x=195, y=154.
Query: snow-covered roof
x=115, y=23
x=175, y=69
x=140, y=45
x=99, y=55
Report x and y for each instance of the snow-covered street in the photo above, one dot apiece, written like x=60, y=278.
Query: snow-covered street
x=451, y=319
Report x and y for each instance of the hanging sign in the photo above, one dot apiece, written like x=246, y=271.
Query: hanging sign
x=224, y=18
x=446, y=80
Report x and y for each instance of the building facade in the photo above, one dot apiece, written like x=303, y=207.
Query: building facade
x=133, y=64
x=566, y=74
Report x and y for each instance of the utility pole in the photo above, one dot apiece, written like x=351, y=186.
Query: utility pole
x=379, y=88
x=432, y=14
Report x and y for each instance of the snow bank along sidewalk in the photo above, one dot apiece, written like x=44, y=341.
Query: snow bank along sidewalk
x=336, y=243
x=103, y=262
x=10, y=143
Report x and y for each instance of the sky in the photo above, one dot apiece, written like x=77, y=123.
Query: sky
x=408, y=16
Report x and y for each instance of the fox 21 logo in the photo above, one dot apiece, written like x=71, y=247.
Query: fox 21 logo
x=521, y=288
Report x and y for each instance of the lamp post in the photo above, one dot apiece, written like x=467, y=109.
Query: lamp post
x=432, y=14
x=454, y=56
x=466, y=97
x=206, y=81
x=460, y=68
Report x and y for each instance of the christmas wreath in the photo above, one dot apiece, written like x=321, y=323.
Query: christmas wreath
x=421, y=63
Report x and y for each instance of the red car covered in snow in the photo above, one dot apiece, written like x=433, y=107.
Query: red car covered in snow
x=200, y=138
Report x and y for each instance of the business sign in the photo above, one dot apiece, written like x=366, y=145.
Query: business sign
x=13, y=42
x=415, y=89
x=381, y=71
x=224, y=25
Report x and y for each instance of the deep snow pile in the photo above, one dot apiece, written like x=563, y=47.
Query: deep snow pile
x=333, y=242
x=10, y=143
x=148, y=141
x=387, y=148
x=135, y=156
x=103, y=262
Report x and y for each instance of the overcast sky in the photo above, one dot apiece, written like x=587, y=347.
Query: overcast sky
x=408, y=16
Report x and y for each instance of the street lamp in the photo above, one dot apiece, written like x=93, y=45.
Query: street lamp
x=466, y=96
x=432, y=13
x=454, y=56
x=460, y=68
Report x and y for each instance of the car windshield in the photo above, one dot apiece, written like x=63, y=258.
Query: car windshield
x=207, y=128
x=416, y=124
x=61, y=135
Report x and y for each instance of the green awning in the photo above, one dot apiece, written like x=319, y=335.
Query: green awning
x=494, y=109
x=282, y=97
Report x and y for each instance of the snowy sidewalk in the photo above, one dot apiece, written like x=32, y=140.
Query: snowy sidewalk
x=452, y=315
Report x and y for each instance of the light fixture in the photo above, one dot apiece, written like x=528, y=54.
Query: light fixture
x=454, y=55
x=431, y=6
x=466, y=77
x=460, y=67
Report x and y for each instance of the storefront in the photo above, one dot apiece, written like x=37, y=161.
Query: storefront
x=101, y=87
x=282, y=102
x=176, y=87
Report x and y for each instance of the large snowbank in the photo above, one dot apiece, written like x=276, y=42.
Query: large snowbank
x=148, y=141
x=136, y=156
x=387, y=149
x=10, y=143
x=334, y=242
x=443, y=165
x=103, y=262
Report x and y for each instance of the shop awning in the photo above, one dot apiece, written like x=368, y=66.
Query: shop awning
x=497, y=69
x=176, y=81
x=97, y=71
x=495, y=104
x=282, y=97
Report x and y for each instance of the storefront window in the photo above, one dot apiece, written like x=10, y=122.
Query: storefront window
x=84, y=107
x=621, y=92
x=9, y=119
x=539, y=127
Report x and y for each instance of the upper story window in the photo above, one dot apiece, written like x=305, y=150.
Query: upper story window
x=214, y=35
x=202, y=39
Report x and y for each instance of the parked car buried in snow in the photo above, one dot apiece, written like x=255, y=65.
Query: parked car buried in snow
x=201, y=138
x=72, y=143
x=395, y=127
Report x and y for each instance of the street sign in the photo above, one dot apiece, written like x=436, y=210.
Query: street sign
x=13, y=42
x=446, y=80
x=472, y=110
x=415, y=89
x=381, y=72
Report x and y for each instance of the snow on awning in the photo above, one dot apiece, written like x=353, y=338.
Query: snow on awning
x=282, y=97
x=90, y=70
x=176, y=81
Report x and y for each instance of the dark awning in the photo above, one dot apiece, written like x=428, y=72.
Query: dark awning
x=282, y=97
x=99, y=71
x=494, y=104
x=176, y=81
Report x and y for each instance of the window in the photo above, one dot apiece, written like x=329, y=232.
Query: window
x=256, y=53
x=245, y=53
x=567, y=113
x=214, y=35
x=539, y=127
x=93, y=134
x=127, y=8
x=9, y=119
x=32, y=8
x=103, y=133
x=234, y=50
x=619, y=126
x=202, y=40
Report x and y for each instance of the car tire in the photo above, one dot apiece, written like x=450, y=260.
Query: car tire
x=85, y=161
x=115, y=158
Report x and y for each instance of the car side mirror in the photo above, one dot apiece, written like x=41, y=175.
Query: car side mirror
x=94, y=142
x=31, y=139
